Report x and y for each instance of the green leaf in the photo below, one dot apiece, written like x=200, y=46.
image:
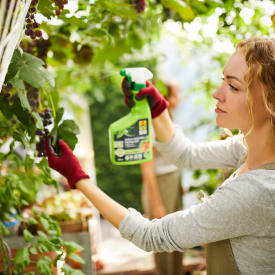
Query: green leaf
x=32, y=60
x=28, y=163
x=24, y=202
x=16, y=63
x=18, y=84
x=27, y=235
x=6, y=108
x=33, y=72
x=57, y=258
x=3, y=230
x=67, y=131
x=20, y=218
x=44, y=265
x=24, y=101
x=21, y=137
x=181, y=8
x=22, y=114
x=76, y=258
x=72, y=246
x=22, y=259
x=59, y=115
x=45, y=7
x=41, y=234
x=69, y=271
x=45, y=223
x=32, y=221
x=33, y=250
x=34, y=210
x=38, y=120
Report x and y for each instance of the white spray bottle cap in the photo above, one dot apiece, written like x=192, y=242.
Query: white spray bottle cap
x=137, y=76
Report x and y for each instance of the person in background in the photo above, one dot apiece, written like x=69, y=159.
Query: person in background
x=162, y=191
x=237, y=222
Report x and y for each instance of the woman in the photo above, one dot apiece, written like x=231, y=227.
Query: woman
x=237, y=223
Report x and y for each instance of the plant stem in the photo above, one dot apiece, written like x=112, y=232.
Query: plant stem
x=5, y=256
x=51, y=100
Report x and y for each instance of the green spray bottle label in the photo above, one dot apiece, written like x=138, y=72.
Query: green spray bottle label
x=130, y=137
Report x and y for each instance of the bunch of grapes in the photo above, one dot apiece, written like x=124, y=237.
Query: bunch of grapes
x=59, y=4
x=140, y=5
x=32, y=26
x=47, y=120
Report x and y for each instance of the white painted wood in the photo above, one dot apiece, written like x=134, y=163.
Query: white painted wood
x=11, y=30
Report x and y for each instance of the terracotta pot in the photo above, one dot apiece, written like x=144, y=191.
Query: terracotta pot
x=74, y=226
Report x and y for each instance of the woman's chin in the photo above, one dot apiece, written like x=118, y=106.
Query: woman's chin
x=222, y=124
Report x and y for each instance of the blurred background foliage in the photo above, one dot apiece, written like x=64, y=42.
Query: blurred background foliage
x=92, y=40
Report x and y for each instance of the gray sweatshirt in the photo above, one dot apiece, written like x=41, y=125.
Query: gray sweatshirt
x=242, y=209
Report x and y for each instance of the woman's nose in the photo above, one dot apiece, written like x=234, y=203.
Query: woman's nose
x=219, y=94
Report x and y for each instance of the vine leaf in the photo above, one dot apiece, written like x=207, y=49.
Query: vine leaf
x=68, y=130
x=59, y=115
x=38, y=120
x=33, y=72
x=16, y=63
x=5, y=108
x=18, y=84
x=24, y=101
x=45, y=7
x=22, y=114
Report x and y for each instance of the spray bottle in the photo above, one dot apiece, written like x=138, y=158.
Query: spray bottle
x=130, y=138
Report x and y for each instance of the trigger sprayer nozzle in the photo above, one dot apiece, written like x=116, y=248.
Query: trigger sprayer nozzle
x=137, y=76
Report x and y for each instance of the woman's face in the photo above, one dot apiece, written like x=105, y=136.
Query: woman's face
x=232, y=109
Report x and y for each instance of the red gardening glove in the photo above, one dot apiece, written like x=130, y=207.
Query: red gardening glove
x=156, y=101
x=67, y=164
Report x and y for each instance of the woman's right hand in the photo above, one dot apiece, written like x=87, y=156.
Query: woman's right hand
x=156, y=101
x=67, y=164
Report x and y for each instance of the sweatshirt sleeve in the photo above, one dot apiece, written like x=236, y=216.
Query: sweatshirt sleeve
x=179, y=150
x=239, y=207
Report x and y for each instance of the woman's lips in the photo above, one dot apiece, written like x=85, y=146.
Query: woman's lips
x=219, y=111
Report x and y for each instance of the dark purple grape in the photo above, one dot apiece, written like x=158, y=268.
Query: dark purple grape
x=38, y=33
x=33, y=35
x=35, y=25
x=28, y=31
x=8, y=87
x=39, y=132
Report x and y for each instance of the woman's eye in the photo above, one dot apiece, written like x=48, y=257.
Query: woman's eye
x=232, y=87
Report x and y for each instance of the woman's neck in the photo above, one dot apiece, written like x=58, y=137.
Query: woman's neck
x=261, y=147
